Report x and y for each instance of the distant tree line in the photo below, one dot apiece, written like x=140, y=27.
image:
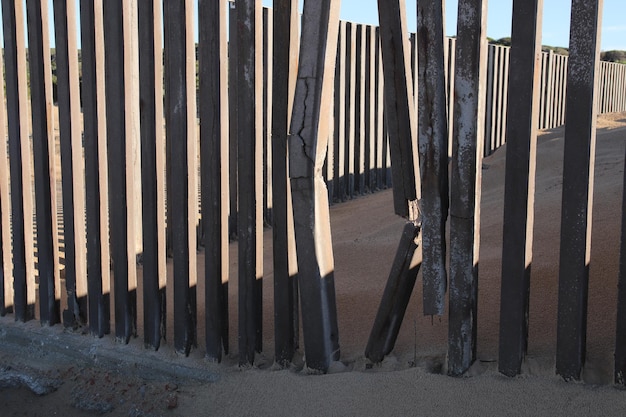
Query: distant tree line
x=609, y=56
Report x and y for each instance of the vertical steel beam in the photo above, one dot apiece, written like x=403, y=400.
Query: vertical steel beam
x=6, y=289
x=117, y=41
x=152, y=170
x=96, y=193
x=620, y=333
x=359, y=110
x=180, y=134
x=267, y=80
x=286, y=311
x=578, y=176
x=43, y=155
x=20, y=164
x=370, y=109
x=339, y=104
x=350, y=109
x=467, y=152
x=310, y=126
x=250, y=176
x=233, y=68
x=212, y=15
x=519, y=193
x=72, y=163
x=400, y=113
x=433, y=152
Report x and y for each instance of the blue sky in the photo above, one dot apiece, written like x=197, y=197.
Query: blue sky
x=556, y=17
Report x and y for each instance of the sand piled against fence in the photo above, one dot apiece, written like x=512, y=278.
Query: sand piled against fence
x=409, y=381
x=365, y=237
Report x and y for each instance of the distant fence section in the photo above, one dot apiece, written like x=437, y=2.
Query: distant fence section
x=70, y=187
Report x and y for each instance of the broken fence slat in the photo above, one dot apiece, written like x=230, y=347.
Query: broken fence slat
x=395, y=298
x=399, y=106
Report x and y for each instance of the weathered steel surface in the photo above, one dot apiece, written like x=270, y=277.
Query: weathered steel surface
x=121, y=192
x=465, y=176
x=399, y=105
x=96, y=193
x=250, y=171
x=433, y=152
x=578, y=175
x=521, y=137
x=152, y=171
x=43, y=157
x=19, y=160
x=233, y=68
x=6, y=289
x=620, y=333
x=180, y=134
x=213, y=59
x=370, y=109
x=339, y=103
x=286, y=311
x=359, y=110
x=310, y=127
x=350, y=119
x=395, y=297
x=72, y=164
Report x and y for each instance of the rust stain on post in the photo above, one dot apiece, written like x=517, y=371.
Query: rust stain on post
x=433, y=151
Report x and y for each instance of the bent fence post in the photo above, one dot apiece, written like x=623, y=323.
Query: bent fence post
x=310, y=127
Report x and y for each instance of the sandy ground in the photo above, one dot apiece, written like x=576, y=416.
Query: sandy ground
x=85, y=373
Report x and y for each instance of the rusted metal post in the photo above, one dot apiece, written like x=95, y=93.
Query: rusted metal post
x=400, y=111
x=467, y=152
x=286, y=310
x=180, y=123
x=117, y=40
x=395, y=297
x=250, y=177
x=213, y=102
x=433, y=152
x=43, y=156
x=152, y=171
x=72, y=164
x=620, y=333
x=399, y=105
x=310, y=127
x=6, y=289
x=96, y=193
x=578, y=175
x=19, y=160
x=519, y=193
x=233, y=67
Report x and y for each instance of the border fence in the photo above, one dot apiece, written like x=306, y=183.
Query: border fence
x=138, y=158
